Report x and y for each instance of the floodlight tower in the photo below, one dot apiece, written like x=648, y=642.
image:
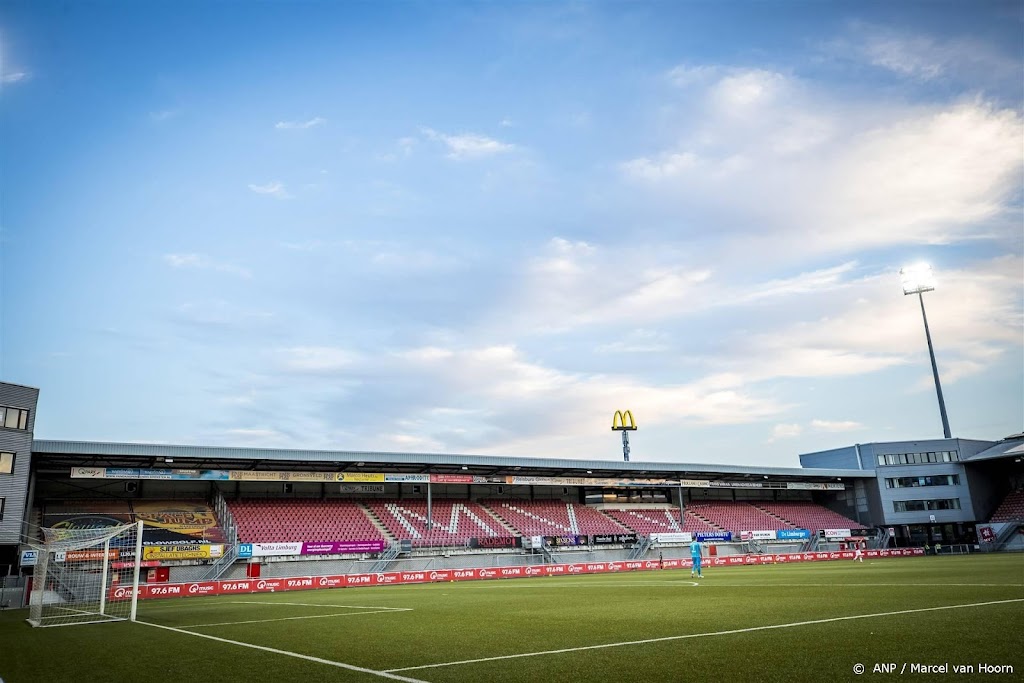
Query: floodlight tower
x=917, y=279
x=622, y=421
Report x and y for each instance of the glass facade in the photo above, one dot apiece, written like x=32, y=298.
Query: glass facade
x=917, y=458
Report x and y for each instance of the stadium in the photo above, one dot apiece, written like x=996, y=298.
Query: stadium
x=338, y=565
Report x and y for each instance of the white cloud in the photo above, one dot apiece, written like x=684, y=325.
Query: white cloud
x=15, y=77
x=818, y=174
x=274, y=189
x=468, y=145
x=922, y=57
x=665, y=165
x=300, y=125
x=638, y=341
x=202, y=262
x=786, y=431
x=835, y=425
x=742, y=90
x=163, y=115
x=317, y=359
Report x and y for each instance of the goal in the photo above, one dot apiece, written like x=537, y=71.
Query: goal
x=85, y=576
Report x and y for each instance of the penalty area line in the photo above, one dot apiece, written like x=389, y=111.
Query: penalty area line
x=288, y=653
x=701, y=635
x=390, y=610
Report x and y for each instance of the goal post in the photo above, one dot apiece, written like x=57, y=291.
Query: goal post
x=86, y=576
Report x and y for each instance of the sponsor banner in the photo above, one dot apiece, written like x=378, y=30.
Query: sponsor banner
x=811, y=486
x=836, y=533
x=182, y=552
x=452, y=479
x=275, y=549
x=369, y=477
x=985, y=533
x=177, y=522
x=28, y=558
x=737, y=484
x=276, y=475
x=362, y=488
x=566, y=539
x=495, y=542
x=685, y=537
x=407, y=478
x=792, y=534
x=128, y=564
x=757, y=535
x=364, y=477
x=90, y=555
x=612, y=539
x=341, y=547
x=714, y=536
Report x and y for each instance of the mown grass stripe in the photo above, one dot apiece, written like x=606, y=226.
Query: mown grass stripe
x=700, y=635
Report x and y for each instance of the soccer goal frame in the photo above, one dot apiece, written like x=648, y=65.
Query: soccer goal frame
x=86, y=576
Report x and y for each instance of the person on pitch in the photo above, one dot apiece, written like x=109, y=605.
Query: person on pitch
x=858, y=553
x=696, y=554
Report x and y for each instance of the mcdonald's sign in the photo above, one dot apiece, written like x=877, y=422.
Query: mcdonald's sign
x=623, y=420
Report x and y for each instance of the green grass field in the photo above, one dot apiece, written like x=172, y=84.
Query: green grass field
x=799, y=622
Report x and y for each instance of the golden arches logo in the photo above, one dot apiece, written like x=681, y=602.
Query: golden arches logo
x=623, y=420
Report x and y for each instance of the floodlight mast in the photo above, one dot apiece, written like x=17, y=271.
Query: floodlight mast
x=917, y=279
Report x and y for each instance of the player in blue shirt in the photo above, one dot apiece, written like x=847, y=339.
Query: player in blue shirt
x=696, y=553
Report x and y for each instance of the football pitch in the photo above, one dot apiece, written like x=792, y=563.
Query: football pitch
x=798, y=622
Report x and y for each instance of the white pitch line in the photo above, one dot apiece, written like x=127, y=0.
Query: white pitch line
x=563, y=584
x=862, y=585
x=287, y=653
x=308, y=604
x=389, y=610
x=699, y=635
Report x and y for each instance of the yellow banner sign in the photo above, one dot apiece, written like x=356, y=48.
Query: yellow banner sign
x=182, y=552
x=364, y=477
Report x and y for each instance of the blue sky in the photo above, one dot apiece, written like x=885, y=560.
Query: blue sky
x=483, y=228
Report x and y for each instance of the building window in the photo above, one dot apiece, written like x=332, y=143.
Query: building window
x=6, y=463
x=881, y=459
x=1, y=508
x=926, y=505
x=935, y=480
x=13, y=418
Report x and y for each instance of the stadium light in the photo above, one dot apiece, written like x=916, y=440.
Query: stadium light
x=918, y=279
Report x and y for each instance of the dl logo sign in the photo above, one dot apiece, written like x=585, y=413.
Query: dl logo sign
x=245, y=549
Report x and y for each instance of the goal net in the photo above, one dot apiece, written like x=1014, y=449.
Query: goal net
x=85, y=576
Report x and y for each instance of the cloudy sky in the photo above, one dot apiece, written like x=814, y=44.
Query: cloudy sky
x=483, y=228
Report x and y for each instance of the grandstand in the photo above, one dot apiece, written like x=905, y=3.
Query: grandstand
x=449, y=523
x=281, y=521
x=1011, y=509
x=533, y=518
x=806, y=515
x=347, y=512
x=737, y=517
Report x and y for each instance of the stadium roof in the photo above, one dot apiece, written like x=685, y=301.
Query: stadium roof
x=1010, y=447
x=100, y=454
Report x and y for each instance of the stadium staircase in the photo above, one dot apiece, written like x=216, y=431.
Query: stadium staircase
x=701, y=518
x=375, y=520
x=223, y=563
x=1005, y=536
x=643, y=544
x=386, y=558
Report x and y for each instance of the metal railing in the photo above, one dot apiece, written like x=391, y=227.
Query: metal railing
x=643, y=544
x=386, y=558
x=222, y=564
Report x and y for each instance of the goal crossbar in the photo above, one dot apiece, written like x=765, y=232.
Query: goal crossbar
x=86, y=576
